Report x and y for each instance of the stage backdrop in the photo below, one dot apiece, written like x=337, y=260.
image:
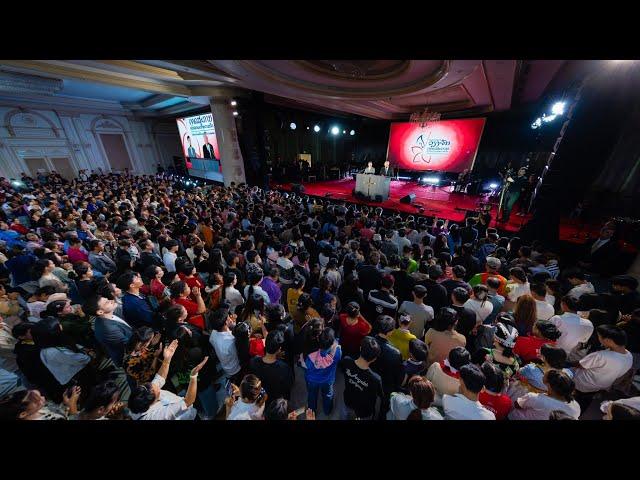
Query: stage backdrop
x=201, y=147
x=447, y=145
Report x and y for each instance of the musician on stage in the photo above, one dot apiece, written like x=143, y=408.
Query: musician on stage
x=370, y=170
x=463, y=180
x=514, y=188
x=386, y=170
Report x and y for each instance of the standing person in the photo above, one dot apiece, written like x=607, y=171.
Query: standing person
x=544, y=310
x=436, y=293
x=579, y=283
x=574, y=330
x=389, y=364
x=271, y=285
x=417, y=405
x=492, y=396
x=275, y=374
x=362, y=386
x=421, y=314
x=401, y=336
x=353, y=328
x=515, y=188
x=320, y=373
x=442, y=337
x=383, y=302
x=230, y=293
x=224, y=343
x=525, y=314
x=466, y=317
x=480, y=303
x=497, y=300
x=171, y=255
x=248, y=401
x=465, y=404
x=493, y=265
x=445, y=375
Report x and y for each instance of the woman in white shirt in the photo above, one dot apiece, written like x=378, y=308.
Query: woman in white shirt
x=559, y=396
x=230, y=293
x=417, y=405
x=246, y=402
x=170, y=256
x=479, y=303
x=517, y=284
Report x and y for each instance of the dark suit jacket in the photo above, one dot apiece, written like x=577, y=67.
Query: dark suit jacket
x=605, y=260
x=386, y=173
x=205, y=151
x=147, y=259
x=389, y=366
x=113, y=336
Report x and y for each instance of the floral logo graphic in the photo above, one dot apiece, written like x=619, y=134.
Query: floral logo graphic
x=419, y=150
x=424, y=148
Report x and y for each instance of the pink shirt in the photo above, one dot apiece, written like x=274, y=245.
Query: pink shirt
x=77, y=255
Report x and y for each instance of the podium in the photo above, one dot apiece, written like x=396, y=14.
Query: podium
x=372, y=186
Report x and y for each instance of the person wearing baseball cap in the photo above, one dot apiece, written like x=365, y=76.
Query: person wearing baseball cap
x=492, y=269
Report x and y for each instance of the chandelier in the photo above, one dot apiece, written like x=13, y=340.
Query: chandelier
x=424, y=117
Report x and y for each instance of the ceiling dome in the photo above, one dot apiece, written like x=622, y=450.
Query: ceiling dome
x=358, y=69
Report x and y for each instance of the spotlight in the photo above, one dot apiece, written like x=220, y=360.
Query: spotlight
x=235, y=114
x=537, y=123
x=292, y=126
x=335, y=130
x=431, y=180
x=316, y=128
x=493, y=186
x=548, y=119
x=233, y=103
x=307, y=128
x=352, y=132
x=558, y=108
x=344, y=131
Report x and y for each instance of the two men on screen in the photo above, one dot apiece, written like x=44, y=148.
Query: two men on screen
x=385, y=171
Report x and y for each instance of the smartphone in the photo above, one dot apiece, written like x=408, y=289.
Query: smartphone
x=227, y=387
x=300, y=411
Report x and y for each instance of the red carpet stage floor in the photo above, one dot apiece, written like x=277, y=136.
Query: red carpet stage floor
x=436, y=201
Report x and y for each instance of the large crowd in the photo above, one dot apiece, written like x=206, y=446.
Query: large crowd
x=146, y=298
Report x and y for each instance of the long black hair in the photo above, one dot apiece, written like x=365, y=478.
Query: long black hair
x=48, y=333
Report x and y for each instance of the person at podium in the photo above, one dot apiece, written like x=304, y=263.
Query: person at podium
x=386, y=170
x=370, y=170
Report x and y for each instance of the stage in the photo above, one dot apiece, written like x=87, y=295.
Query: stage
x=436, y=201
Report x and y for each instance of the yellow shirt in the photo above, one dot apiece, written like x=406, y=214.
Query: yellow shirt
x=400, y=339
x=292, y=299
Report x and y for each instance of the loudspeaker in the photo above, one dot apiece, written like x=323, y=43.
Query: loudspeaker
x=297, y=188
x=408, y=199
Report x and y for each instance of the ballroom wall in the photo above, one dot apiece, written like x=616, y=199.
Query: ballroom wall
x=68, y=140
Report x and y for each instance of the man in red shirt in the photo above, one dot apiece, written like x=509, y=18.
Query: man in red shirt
x=528, y=348
x=491, y=396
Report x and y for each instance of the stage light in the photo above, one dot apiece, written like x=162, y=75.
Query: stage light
x=307, y=128
x=548, y=119
x=344, y=132
x=235, y=114
x=493, y=186
x=352, y=132
x=233, y=103
x=292, y=126
x=316, y=128
x=431, y=180
x=558, y=108
x=537, y=123
x=335, y=130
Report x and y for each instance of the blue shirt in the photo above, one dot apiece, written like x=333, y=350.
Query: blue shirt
x=20, y=268
x=137, y=311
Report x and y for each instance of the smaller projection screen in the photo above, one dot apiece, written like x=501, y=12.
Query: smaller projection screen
x=200, y=146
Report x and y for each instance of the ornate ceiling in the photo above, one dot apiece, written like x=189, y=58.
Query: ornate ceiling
x=382, y=89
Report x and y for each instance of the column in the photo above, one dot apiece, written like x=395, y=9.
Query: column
x=227, y=137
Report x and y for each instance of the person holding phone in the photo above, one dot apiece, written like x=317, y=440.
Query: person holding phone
x=246, y=402
x=149, y=402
